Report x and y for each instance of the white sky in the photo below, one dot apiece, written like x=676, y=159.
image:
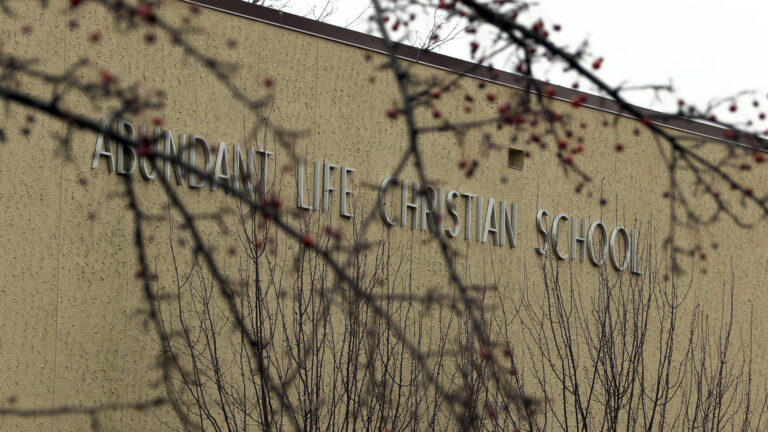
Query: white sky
x=708, y=49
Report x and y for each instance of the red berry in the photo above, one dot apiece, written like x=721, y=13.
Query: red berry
x=759, y=157
x=392, y=113
x=569, y=159
x=435, y=94
x=145, y=11
x=329, y=231
x=144, y=149
x=436, y=113
x=733, y=107
x=491, y=97
x=106, y=76
x=474, y=46
x=549, y=91
x=578, y=100
x=503, y=109
x=597, y=63
x=307, y=240
x=268, y=81
x=748, y=191
x=491, y=411
x=157, y=120
x=619, y=147
x=562, y=143
x=485, y=352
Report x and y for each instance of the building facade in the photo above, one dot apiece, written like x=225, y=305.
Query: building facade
x=557, y=247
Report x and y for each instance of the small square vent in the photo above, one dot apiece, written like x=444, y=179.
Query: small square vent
x=516, y=159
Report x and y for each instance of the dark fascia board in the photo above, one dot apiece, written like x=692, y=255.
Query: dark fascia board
x=463, y=67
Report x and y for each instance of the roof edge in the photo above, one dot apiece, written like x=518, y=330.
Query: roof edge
x=463, y=67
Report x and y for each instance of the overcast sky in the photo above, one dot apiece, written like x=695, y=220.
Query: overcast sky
x=708, y=49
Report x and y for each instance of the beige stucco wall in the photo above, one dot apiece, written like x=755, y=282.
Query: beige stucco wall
x=71, y=331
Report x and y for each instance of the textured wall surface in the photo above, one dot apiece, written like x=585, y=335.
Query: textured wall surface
x=71, y=331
